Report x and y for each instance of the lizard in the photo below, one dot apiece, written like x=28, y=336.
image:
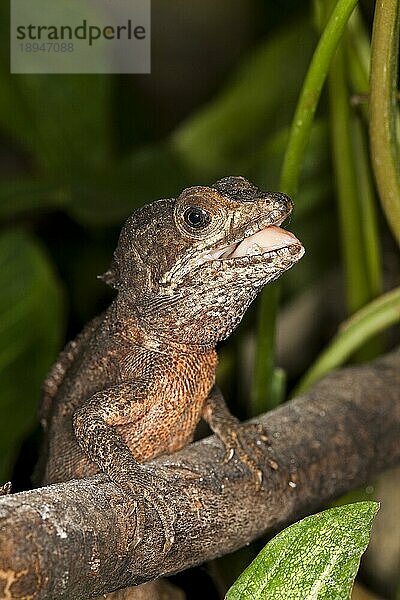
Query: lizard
x=138, y=379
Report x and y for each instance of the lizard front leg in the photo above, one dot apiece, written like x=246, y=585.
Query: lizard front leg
x=94, y=426
x=242, y=439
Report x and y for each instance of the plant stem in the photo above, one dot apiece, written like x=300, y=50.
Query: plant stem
x=367, y=204
x=383, y=109
x=367, y=322
x=347, y=193
x=358, y=57
x=264, y=357
x=310, y=93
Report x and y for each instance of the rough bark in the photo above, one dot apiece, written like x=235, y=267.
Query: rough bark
x=70, y=540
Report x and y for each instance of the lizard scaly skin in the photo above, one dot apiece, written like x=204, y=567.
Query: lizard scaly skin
x=138, y=379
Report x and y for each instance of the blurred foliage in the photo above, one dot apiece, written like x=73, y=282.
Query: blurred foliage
x=79, y=153
x=31, y=329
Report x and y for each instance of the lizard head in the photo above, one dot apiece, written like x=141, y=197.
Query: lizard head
x=192, y=265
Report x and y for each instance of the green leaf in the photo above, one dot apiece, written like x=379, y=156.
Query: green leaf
x=30, y=335
x=316, y=558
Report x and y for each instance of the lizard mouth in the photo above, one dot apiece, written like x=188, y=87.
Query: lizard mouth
x=258, y=244
x=266, y=242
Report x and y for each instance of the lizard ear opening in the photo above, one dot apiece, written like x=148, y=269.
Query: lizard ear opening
x=111, y=276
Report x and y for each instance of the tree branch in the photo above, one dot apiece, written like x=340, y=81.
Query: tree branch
x=69, y=540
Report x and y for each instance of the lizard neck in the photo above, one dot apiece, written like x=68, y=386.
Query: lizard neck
x=131, y=325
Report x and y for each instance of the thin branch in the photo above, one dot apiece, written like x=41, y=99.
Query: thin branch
x=70, y=540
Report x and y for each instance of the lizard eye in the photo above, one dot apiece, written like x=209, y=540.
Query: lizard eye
x=196, y=217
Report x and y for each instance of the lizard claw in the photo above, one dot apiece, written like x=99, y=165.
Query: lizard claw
x=5, y=489
x=229, y=454
x=273, y=464
x=258, y=476
x=137, y=536
x=167, y=517
x=245, y=440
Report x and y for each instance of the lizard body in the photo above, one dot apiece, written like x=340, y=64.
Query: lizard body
x=168, y=389
x=138, y=379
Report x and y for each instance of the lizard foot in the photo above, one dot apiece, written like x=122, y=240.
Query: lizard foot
x=245, y=440
x=151, y=490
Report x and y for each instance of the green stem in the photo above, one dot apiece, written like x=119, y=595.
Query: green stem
x=367, y=204
x=310, y=93
x=383, y=109
x=367, y=322
x=358, y=60
x=359, y=54
x=350, y=223
x=262, y=399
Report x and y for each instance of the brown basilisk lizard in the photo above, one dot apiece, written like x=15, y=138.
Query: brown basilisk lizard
x=136, y=381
